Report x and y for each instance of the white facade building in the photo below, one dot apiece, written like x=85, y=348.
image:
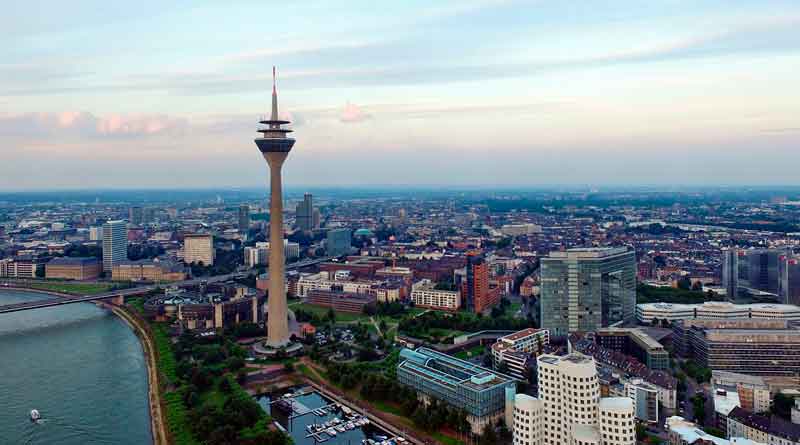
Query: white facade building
x=528, y=428
x=198, y=248
x=515, y=350
x=115, y=244
x=425, y=294
x=573, y=412
x=718, y=310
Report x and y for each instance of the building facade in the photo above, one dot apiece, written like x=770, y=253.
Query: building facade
x=148, y=270
x=586, y=289
x=476, y=293
x=574, y=413
x=515, y=350
x=718, y=310
x=337, y=242
x=198, y=248
x=479, y=391
x=424, y=294
x=758, y=347
x=115, y=244
x=65, y=268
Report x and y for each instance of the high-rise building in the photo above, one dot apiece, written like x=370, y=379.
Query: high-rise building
x=730, y=272
x=135, y=215
x=570, y=410
x=275, y=147
x=587, y=288
x=198, y=248
x=337, y=242
x=256, y=256
x=95, y=233
x=244, y=217
x=789, y=280
x=304, y=214
x=115, y=244
x=476, y=294
x=752, y=271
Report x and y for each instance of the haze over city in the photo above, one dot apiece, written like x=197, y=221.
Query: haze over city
x=497, y=93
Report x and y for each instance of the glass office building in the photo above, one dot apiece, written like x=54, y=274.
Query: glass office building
x=479, y=391
x=588, y=288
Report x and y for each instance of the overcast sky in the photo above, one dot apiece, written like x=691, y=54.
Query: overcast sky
x=469, y=92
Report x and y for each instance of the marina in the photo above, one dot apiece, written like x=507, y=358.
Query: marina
x=310, y=418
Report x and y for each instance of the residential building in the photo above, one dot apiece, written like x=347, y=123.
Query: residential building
x=753, y=391
x=256, y=256
x=198, y=248
x=683, y=432
x=520, y=229
x=115, y=244
x=95, y=233
x=636, y=343
x=645, y=398
x=424, y=294
x=20, y=267
x=516, y=350
x=586, y=289
x=770, y=430
x=66, y=268
x=461, y=384
x=337, y=242
x=476, y=294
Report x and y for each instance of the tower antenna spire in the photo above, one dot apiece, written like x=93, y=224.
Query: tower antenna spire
x=274, y=116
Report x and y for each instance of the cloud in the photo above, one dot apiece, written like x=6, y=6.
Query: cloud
x=353, y=113
x=84, y=124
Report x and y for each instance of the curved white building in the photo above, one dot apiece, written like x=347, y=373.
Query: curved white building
x=572, y=410
x=617, y=426
x=528, y=417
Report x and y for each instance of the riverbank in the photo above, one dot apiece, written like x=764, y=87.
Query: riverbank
x=139, y=326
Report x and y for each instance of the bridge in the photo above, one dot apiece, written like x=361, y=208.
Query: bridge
x=118, y=296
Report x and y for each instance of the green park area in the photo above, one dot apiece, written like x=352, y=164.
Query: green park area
x=68, y=287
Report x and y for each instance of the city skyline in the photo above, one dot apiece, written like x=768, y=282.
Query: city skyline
x=506, y=93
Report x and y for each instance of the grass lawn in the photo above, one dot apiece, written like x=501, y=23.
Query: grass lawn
x=446, y=440
x=73, y=288
x=386, y=407
x=341, y=317
x=471, y=352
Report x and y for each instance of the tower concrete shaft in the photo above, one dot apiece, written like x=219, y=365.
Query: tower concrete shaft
x=277, y=324
x=275, y=147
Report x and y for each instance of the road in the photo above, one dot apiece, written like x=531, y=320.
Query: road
x=63, y=299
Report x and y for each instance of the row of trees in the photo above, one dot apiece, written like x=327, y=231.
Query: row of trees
x=462, y=321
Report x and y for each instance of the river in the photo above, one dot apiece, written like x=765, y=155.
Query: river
x=80, y=366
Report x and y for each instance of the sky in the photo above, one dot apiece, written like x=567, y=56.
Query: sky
x=99, y=94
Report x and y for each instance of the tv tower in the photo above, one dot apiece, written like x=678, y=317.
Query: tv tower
x=275, y=147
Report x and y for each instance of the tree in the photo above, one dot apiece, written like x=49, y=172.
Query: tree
x=782, y=405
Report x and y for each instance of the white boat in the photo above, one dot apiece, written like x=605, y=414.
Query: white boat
x=340, y=429
x=35, y=415
x=331, y=431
